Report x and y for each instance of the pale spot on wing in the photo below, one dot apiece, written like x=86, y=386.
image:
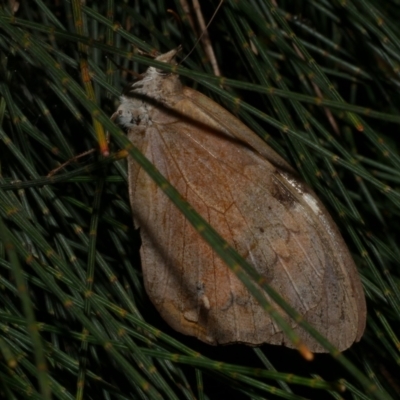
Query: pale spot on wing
x=292, y=182
x=205, y=302
x=312, y=203
x=191, y=315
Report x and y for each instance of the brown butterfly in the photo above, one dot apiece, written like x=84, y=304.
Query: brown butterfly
x=255, y=200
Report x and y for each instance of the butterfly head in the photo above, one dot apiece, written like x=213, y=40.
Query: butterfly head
x=155, y=87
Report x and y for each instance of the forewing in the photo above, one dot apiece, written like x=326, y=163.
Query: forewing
x=261, y=212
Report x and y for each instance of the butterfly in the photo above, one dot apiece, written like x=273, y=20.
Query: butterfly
x=255, y=200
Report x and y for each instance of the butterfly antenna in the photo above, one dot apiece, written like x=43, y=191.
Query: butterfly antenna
x=204, y=31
